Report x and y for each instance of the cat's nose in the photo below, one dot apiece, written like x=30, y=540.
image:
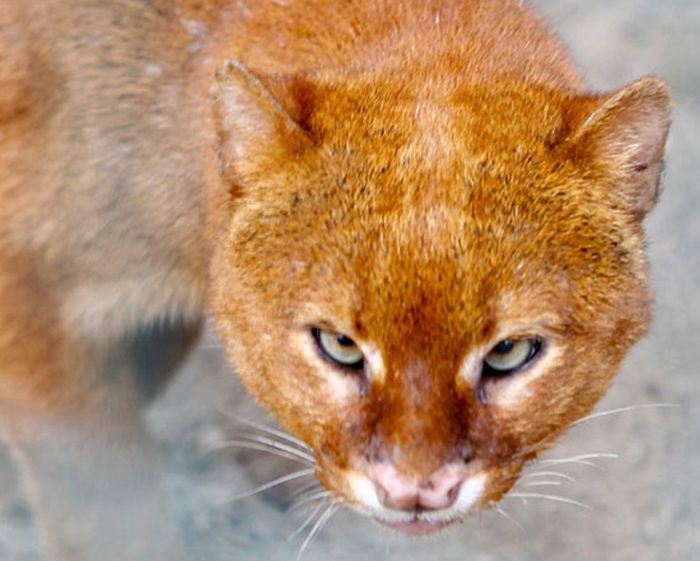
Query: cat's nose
x=398, y=492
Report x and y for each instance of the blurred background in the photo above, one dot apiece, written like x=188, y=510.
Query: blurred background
x=644, y=502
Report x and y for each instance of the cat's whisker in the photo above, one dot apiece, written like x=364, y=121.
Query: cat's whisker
x=264, y=448
x=282, y=445
x=510, y=519
x=309, y=499
x=538, y=474
x=320, y=523
x=541, y=484
x=620, y=410
x=305, y=489
x=264, y=428
x=270, y=484
x=279, y=446
x=274, y=432
x=555, y=498
x=576, y=462
x=309, y=519
x=316, y=490
x=582, y=459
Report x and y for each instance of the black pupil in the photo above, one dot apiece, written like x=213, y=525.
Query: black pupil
x=504, y=347
x=345, y=341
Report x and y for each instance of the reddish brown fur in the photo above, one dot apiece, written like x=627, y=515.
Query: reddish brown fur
x=416, y=175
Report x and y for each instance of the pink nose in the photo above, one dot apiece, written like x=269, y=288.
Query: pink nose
x=398, y=492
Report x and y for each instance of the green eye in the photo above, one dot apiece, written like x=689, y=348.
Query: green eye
x=510, y=355
x=339, y=348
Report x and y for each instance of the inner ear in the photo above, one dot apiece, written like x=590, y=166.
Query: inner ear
x=259, y=119
x=627, y=130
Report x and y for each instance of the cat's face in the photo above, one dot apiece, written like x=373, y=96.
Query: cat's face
x=429, y=290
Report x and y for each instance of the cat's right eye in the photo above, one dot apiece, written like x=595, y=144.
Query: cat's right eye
x=338, y=348
x=511, y=355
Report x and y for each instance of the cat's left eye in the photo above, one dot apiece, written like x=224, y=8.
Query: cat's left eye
x=339, y=348
x=510, y=355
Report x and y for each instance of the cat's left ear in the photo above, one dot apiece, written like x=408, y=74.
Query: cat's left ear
x=257, y=121
x=627, y=131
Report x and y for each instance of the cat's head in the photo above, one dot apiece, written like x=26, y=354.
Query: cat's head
x=428, y=283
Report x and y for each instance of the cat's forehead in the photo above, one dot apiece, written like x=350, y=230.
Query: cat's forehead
x=438, y=271
x=439, y=118
x=452, y=155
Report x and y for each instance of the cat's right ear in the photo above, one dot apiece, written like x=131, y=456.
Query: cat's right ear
x=254, y=128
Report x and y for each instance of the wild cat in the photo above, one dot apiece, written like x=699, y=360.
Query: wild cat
x=419, y=233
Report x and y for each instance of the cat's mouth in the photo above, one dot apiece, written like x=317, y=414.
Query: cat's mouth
x=418, y=525
x=418, y=522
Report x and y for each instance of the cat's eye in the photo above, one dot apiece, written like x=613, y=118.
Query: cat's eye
x=511, y=355
x=339, y=348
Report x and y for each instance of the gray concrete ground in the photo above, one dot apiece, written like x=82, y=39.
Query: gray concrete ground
x=645, y=504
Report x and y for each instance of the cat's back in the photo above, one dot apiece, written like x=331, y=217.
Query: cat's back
x=97, y=155
x=479, y=39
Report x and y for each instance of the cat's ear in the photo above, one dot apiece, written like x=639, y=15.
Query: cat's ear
x=255, y=126
x=627, y=131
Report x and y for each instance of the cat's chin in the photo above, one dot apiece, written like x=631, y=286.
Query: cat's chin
x=417, y=526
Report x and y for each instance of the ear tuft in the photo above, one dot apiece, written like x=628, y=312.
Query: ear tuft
x=628, y=130
x=252, y=125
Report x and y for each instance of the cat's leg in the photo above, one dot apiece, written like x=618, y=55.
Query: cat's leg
x=70, y=410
